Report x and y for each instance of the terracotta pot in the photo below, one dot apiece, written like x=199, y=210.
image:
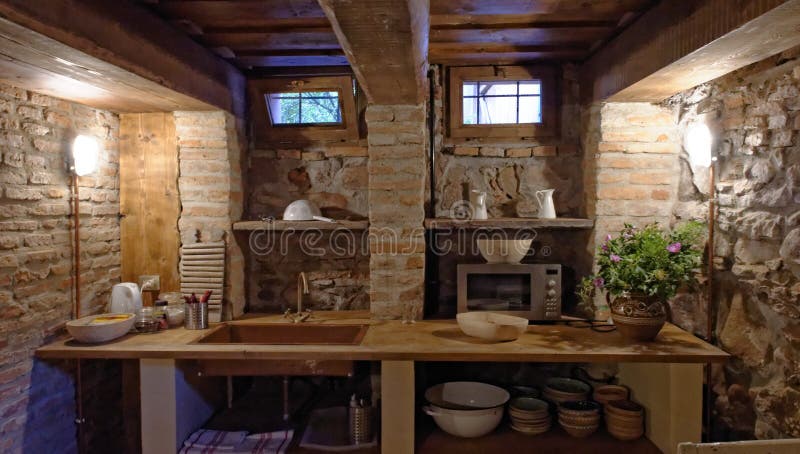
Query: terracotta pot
x=638, y=317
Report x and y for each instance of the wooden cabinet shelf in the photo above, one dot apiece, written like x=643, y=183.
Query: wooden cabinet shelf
x=504, y=439
x=300, y=225
x=509, y=223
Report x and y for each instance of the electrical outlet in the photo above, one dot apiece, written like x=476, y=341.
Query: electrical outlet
x=150, y=282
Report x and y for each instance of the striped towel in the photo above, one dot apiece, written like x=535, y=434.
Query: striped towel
x=212, y=441
x=266, y=443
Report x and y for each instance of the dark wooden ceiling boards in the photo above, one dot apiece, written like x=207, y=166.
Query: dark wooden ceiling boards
x=257, y=34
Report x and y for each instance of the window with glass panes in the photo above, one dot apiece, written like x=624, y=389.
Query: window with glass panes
x=501, y=102
x=304, y=108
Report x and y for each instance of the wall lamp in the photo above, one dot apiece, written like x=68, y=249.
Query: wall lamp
x=85, y=153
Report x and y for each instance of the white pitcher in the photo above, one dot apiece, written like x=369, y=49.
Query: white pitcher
x=547, y=209
x=479, y=205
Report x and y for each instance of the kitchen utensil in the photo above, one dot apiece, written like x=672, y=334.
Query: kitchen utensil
x=606, y=393
x=362, y=429
x=196, y=315
x=491, y=326
x=503, y=251
x=465, y=423
x=125, y=298
x=100, y=328
x=559, y=390
x=466, y=395
x=175, y=315
x=624, y=419
x=478, y=201
x=303, y=210
x=547, y=209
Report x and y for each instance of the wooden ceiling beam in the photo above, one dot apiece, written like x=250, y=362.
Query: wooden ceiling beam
x=386, y=43
x=515, y=22
x=483, y=7
x=521, y=36
x=678, y=45
x=129, y=37
x=239, y=40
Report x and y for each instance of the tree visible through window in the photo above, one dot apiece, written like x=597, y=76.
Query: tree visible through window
x=304, y=108
x=502, y=102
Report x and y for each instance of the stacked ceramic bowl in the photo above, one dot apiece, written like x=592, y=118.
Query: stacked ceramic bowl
x=558, y=390
x=604, y=394
x=624, y=419
x=580, y=418
x=529, y=415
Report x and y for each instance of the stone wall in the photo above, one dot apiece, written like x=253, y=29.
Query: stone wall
x=397, y=183
x=37, y=407
x=512, y=170
x=334, y=177
x=754, y=114
x=210, y=186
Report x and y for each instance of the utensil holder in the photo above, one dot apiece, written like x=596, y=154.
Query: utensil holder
x=362, y=427
x=196, y=316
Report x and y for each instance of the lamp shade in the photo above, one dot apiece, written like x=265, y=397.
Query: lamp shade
x=698, y=144
x=85, y=151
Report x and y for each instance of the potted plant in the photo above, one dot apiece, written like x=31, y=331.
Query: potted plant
x=641, y=269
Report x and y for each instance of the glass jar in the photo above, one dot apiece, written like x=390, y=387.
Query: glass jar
x=160, y=313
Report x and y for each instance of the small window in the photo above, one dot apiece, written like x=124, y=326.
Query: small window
x=502, y=101
x=305, y=108
x=299, y=111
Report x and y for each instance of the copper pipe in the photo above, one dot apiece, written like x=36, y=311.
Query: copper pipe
x=76, y=310
x=710, y=293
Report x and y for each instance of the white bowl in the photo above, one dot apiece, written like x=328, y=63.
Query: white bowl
x=503, y=251
x=492, y=326
x=175, y=315
x=465, y=423
x=301, y=210
x=94, y=329
x=466, y=395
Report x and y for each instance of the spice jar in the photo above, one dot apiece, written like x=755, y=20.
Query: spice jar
x=145, y=322
x=160, y=313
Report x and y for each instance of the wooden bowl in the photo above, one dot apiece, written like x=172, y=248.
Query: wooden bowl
x=579, y=431
x=606, y=393
x=624, y=408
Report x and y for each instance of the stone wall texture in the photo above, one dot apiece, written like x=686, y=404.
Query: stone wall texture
x=210, y=186
x=754, y=114
x=397, y=183
x=334, y=177
x=511, y=170
x=37, y=400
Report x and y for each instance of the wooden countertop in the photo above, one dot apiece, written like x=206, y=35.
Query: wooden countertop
x=428, y=340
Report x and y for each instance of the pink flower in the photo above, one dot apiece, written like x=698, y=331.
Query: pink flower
x=604, y=248
x=674, y=248
x=615, y=258
x=608, y=237
x=599, y=282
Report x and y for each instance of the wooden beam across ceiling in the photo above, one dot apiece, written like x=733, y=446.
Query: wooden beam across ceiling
x=121, y=42
x=679, y=45
x=386, y=43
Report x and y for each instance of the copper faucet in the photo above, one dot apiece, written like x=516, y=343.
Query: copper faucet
x=302, y=289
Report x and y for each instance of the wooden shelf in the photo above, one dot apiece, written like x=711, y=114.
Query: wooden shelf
x=300, y=225
x=504, y=439
x=510, y=223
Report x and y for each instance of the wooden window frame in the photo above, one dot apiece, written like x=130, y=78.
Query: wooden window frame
x=266, y=134
x=549, y=96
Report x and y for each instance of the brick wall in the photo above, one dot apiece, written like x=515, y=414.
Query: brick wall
x=210, y=186
x=37, y=398
x=397, y=175
x=631, y=166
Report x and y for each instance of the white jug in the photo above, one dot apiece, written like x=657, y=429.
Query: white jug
x=547, y=209
x=125, y=297
x=479, y=205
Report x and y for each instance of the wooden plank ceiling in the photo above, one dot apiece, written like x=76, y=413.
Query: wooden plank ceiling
x=258, y=34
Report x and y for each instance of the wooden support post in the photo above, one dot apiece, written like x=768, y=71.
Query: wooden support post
x=172, y=405
x=397, y=406
x=673, y=397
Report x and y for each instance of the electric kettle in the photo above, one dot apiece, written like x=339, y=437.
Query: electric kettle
x=125, y=298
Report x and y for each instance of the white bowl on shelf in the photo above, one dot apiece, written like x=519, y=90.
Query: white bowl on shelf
x=503, y=251
x=492, y=326
x=466, y=409
x=95, y=329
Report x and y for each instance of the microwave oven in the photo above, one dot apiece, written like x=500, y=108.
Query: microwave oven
x=532, y=291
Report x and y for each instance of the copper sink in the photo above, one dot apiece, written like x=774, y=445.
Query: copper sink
x=285, y=334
